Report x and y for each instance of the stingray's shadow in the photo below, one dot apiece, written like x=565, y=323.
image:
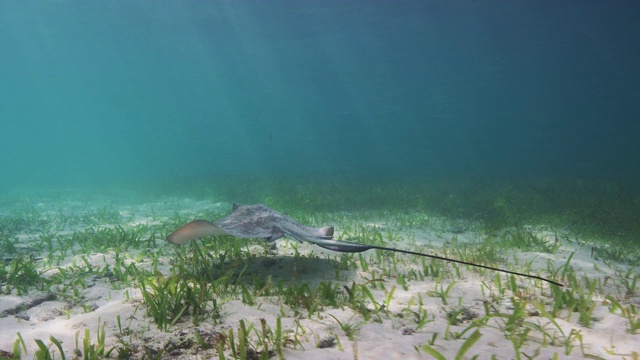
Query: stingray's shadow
x=261, y=269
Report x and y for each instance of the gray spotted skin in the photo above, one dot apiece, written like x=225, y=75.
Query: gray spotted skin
x=260, y=221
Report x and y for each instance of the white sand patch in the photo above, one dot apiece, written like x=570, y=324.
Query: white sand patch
x=391, y=334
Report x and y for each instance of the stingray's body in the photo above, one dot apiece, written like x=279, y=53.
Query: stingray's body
x=260, y=221
x=253, y=221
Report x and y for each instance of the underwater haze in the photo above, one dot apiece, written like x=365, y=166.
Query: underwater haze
x=142, y=92
x=434, y=178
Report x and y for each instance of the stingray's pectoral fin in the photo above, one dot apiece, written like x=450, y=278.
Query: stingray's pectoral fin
x=276, y=233
x=193, y=230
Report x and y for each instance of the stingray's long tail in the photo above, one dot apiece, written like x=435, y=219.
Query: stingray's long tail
x=347, y=246
x=471, y=264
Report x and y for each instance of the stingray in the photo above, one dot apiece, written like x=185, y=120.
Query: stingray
x=260, y=221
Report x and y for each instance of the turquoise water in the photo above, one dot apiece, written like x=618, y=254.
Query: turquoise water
x=124, y=93
x=498, y=133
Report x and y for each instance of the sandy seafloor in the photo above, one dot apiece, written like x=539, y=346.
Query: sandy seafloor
x=388, y=336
